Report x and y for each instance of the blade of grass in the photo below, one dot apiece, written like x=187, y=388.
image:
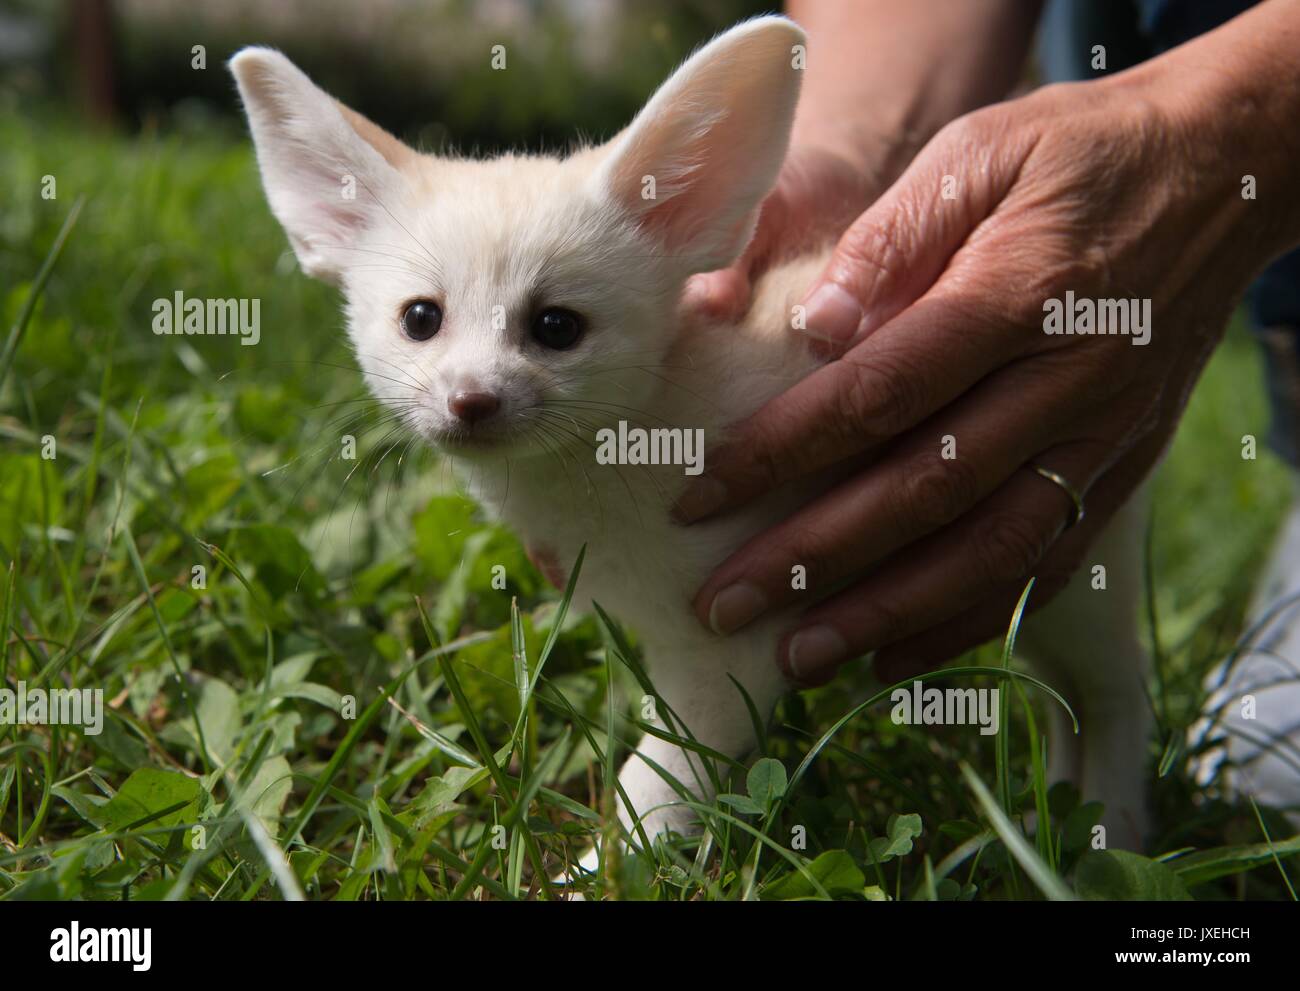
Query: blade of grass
x=757, y=721
x=480, y=742
x=1043, y=877
x=167, y=643
x=19, y=328
x=1272, y=849
x=274, y=857
x=515, y=814
x=1002, y=752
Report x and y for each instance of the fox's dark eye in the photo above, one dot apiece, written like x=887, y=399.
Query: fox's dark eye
x=556, y=328
x=421, y=319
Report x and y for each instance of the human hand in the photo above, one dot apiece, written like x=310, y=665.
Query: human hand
x=1109, y=190
x=817, y=195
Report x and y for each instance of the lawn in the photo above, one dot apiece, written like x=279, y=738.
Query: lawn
x=315, y=688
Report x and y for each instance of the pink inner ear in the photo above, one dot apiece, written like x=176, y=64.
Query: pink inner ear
x=680, y=222
x=671, y=149
x=322, y=222
x=693, y=190
x=702, y=206
x=713, y=139
x=670, y=222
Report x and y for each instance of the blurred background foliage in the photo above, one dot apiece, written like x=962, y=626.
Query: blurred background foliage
x=421, y=68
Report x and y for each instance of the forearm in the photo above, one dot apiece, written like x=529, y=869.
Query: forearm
x=1235, y=93
x=884, y=75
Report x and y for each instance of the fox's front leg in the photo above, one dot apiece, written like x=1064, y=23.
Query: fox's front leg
x=690, y=676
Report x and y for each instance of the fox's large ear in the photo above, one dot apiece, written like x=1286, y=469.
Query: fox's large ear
x=327, y=170
x=696, y=163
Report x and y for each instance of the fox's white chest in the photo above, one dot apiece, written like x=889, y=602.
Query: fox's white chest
x=639, y=565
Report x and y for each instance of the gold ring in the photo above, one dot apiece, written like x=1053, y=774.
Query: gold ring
x=1068, y=489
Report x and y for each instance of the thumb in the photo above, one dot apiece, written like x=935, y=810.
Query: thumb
x=895, y=251
x=726, y=294
x=722, y=295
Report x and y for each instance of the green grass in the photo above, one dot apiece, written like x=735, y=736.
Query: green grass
x=349, y=708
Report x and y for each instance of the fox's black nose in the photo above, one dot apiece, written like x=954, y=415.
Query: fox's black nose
x=471, y=407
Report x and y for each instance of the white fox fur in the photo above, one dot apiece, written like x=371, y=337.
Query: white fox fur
x=492, y=239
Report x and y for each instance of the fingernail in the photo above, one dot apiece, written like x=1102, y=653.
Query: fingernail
x=701, y=497
x=735, y=606
x=813, y=650
x=832, y=314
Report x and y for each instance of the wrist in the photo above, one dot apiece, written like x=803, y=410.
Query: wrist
x=880, y=153
x=1231, y=99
